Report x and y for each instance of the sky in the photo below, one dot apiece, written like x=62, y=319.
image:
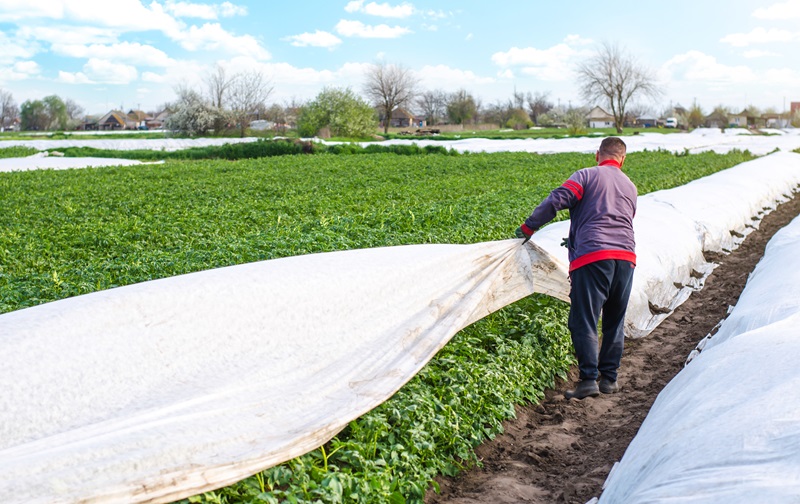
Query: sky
x=132, y=54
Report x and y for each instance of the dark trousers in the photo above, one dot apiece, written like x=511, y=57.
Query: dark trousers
x=602, y=285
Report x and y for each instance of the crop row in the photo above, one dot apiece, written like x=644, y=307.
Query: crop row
x=64, y=233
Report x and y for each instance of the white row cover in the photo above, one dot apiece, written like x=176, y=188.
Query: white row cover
x=699, y=140
x=167, y=388
x=727, y=427
x=42, y=162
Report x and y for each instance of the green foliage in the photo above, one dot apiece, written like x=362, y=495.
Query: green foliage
x=461, y=107
x=33, y=115
x=56, y=112
x=258, y=149
x=576, y=121
x=17, y=151
x=46, y=114
x=70, y=232
x=519, y=120
x=339, y=109
x=695, y=118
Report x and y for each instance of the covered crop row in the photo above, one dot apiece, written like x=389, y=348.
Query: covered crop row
x=392, y=479
x=725, y=429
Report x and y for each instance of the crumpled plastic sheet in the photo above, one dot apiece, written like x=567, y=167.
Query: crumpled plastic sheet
x=727, y=427
x=164, y=389
x=168, y=388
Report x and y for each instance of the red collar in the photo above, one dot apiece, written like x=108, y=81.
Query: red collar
x=610, y=162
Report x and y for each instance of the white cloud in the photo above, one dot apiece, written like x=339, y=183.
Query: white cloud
x=16, y=10
x=73, y=78
x=68, y=34
x=436, y=14
x=130, y=15
x=191, y=10
x=779, y=11
x=153, y=77
x=128, y=52
x=777, y=76
x=108, y=72
x=756, y=53
x=212, y=36
x=184, y=72
x=19, y=71
x=316, y=39
x=505, y=74
x=27, y=67
x=227, y=9
x=124, y=15
x=760, y=36
x=701, y=67
x=204, y=11
x=469, y=36
x=354, y=6
x=577, y=40
x=552, y=64
x=359, y=29
x=403, y=10
x=442, y=76
x=14, y=49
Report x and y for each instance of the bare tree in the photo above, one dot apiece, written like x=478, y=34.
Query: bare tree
x=615, y=78
x=218, y=85
x=249, y=92
x=433, y=105
x=389, y=87
x=538, y=104
x=75, y=113
x=9, y=110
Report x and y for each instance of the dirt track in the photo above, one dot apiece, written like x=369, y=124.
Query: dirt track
x=561, y=451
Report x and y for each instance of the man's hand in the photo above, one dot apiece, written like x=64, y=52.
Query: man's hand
x=524, y=232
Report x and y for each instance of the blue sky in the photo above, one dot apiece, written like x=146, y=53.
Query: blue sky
x=128, y=53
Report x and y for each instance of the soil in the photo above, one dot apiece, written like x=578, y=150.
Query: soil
x=561, y=451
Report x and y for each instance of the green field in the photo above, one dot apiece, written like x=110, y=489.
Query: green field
x=70, y=232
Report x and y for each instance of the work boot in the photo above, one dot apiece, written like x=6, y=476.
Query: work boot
x=607, y=386
x=585, y=388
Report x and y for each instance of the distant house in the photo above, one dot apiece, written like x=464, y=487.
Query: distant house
x=742, y=120
x=158, y=121
x=401, y=118
x=599, y=118
x=716, y=119
x=137, y=119
x=114, y=120
x=794, y=107
x=775, y=120
x=646, y=121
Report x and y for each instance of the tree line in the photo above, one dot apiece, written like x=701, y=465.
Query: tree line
x=610, y=78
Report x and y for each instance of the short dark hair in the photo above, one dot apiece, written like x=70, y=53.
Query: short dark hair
x=612, y=147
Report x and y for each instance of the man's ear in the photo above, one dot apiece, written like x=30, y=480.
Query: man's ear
x=622, y=161
x=597, y=156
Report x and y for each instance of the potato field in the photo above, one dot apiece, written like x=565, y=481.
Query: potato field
x=71, y=232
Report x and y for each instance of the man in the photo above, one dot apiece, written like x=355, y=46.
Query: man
x=602, y=203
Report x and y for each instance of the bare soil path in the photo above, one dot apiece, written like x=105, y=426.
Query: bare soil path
x=561, y=451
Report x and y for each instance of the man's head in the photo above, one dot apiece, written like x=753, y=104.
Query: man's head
x=611, y=148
